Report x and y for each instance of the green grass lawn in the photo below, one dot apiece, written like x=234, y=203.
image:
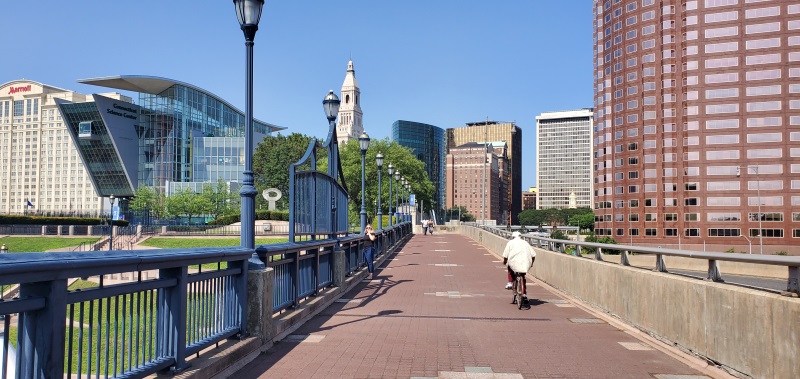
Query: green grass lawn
x=188, y=243
x=32, y=244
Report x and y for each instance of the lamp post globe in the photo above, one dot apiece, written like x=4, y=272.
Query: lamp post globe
x=363, y=143
x=248, y=12
x=379, y=163
x=331, y=105
x=390, y=169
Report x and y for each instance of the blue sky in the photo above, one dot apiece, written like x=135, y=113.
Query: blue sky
x=443, y=62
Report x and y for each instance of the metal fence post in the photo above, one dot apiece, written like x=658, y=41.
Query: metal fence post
x=42, y=333
x=713, y=271
x=172, y=318
x=624, y=259
x=660, y=265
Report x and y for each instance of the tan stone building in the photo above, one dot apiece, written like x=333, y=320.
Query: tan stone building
x=41, y=169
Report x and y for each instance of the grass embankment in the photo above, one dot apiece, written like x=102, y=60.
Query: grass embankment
x=32, y=244
x=188, y=243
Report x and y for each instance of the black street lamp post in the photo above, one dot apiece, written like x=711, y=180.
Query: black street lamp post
x=379, y=162
x=331, y=106
x=248, y=12
x=391, y=174
x=363, y=142
x=397, y=197
x=111, y=224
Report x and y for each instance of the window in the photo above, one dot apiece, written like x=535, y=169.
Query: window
x=692, y=201
x=651, y=232
x=712, y=232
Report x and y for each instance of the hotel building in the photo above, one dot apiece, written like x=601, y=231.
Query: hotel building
x=564, y=159
x=41, y=169
x=63, y=152
x=697, y=122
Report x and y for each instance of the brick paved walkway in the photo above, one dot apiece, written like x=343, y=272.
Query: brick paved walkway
x=438, y=310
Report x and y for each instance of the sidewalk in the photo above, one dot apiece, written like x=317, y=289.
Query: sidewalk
x=438, y=310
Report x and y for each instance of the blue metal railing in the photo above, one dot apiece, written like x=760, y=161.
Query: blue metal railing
x=175, y=303
x=128, y=329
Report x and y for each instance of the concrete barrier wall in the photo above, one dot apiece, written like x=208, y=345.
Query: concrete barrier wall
x=753, y=332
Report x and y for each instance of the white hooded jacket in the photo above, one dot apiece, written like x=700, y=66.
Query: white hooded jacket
x=519, y=253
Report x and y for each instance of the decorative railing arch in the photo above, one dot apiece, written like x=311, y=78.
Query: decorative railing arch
x=318, y=200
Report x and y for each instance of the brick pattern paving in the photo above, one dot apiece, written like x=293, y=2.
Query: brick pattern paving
x=438, y=309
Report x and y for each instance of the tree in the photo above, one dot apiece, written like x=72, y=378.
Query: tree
x=220, y=200
x=186, y=203
x=584, y=221
x=400, y=157
x=147, y=200
x=459, y=211
x=271, y=161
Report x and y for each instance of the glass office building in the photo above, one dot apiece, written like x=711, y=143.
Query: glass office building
x=428, y=144
x=187, y=137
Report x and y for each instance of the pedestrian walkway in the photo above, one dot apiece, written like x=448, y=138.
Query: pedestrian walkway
x=437, y=309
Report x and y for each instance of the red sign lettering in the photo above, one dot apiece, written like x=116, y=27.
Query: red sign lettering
x=19, y=89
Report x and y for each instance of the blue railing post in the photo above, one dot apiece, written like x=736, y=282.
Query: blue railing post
x=42, y=333
x=296, y=280
x=172, y=318
x=242, y=293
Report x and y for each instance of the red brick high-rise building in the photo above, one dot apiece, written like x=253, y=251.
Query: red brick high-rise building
x=697, y=122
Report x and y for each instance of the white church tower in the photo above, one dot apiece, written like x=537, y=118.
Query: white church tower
x=349, y=121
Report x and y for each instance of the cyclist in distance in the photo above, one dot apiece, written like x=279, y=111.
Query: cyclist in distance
x=518, y=256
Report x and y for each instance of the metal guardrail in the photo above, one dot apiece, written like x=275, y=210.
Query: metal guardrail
x=121, y=330
x=179, y=302
x=302, y=269
x=792, y=263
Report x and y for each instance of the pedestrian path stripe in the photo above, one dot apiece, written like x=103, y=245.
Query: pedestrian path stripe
x=354, y=301
x=565, y=305
x=635, y=346
x=673, y=376
x=587, y=321
x=485, y=370
x=555, y=301
x=442, y=250
x=302, y=338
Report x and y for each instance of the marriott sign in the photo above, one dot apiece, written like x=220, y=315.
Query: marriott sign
x=19, y=89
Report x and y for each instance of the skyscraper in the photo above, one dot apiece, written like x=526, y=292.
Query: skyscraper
x=696, y=110
x=348, y=124
x=495, y=131
x=564, y=158
x=427, y=142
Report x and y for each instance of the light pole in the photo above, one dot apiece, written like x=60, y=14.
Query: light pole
x=749, y=243
x=391, y=174
x=379, y=162
x=407, y=213
x=760, y=215
x=397, y=196
x=111, y=223
x=248, y=12
x=331, y=106
x=363, y=142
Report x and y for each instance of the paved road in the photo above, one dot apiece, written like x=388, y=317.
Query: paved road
x=438, y=310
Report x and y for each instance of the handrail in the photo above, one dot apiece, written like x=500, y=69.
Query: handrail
x=792, y=263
